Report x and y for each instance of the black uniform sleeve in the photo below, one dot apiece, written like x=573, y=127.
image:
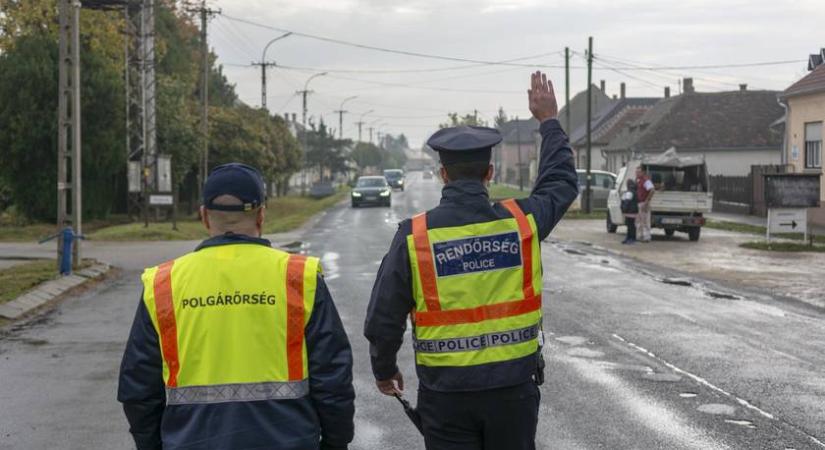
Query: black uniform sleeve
x=557, y=183
x=390, y=304
x=140, y=387
x=330, y=371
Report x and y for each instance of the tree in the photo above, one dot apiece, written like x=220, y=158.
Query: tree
x=28, y=127
x=456, y=120
x=325, y=151
x=501, y=118
x=366, y=154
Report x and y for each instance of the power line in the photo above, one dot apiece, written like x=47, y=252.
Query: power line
x=714, y=66
x=387, y=50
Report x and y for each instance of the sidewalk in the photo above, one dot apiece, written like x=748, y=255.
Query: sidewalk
x=716, y=256
x=755, y=221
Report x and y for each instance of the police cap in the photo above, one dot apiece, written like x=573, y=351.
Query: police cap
x=464, y=144
x=238, y=180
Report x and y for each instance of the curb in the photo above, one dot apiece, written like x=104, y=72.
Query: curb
x=50, y=290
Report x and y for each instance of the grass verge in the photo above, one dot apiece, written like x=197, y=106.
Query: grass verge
x=757, y=229
x=16, y=280
x=501, y=192
x=782, y=246
x=282, y=214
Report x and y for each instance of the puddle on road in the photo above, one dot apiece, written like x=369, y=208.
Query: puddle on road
x=722, y=295
x=585, y=352
x=330, y=264
x=687, y=395
x=572, y=340
x=742, y=423
x=662, y=377
x=677, y=281
x=573, y=251
x=717, y=409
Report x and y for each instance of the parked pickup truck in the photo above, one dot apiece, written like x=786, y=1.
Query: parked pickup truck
x=682, y=195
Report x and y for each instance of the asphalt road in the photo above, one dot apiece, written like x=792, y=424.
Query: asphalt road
x=633, y=362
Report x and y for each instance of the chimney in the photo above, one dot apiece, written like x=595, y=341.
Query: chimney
x=286, y=117
x=602, y=86
x=687, y=86
x=294, y=118
x=622, y=90
x=743, y=87
x=667, y=91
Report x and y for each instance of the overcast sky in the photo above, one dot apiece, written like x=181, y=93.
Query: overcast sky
x=627, y=33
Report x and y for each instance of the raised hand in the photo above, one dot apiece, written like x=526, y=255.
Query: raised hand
x=542, y=99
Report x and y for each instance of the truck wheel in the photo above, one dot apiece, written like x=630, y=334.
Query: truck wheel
x=611, y=227
x=693, y=233
x=669, y=232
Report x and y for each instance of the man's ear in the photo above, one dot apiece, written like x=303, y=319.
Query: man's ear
x=443, y=172
x=205, y=218
x=259, y=219
x=490, y=172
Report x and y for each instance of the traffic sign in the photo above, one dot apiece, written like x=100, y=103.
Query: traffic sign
x=788, y=220
x=161, y=200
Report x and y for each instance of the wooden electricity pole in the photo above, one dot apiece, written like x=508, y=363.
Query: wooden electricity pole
x=588, y=183
x=69, y=126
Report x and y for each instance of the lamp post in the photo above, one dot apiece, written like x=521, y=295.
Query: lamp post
x=264, y=65
x=361, y=122
x=341, y=112
x=304, y=122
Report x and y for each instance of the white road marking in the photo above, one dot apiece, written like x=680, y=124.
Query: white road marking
x=713, y=387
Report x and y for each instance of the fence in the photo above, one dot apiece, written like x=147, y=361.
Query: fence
x=743, y=194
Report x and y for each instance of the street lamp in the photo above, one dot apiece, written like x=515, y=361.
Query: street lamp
x=361, y=122
x=341, y=116
x=304, y=122
x=265, y=64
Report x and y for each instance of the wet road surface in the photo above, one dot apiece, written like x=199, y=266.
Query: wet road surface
x=632, y=361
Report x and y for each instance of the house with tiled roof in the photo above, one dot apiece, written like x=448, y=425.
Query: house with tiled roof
x=515, y=158
x=606, y=124
x=731, y=130
x=804, y=103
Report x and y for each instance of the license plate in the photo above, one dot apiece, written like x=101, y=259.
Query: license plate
x=672, y=221
x=371, y=198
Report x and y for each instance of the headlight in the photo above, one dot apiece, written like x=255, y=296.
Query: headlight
x=400, y=181
x=356, y=194
x=385, y=193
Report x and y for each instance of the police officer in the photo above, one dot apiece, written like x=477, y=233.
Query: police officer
x=471, y=274
x=237, y=345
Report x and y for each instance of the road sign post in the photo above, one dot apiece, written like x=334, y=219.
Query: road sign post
x=787, y=220
x=788, y=197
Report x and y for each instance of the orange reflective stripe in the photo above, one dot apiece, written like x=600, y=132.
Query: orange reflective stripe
x=165, y=312
x=526, y=245
x=477, y=314
x=295, y=316
x=426, y=269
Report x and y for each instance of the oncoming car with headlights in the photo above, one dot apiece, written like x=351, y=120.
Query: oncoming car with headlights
x=371, y=190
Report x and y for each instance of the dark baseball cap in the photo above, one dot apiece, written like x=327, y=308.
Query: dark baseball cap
x=238, y=180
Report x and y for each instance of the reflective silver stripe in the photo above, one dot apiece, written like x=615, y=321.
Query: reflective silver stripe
x=466, y=344
x=240, y=392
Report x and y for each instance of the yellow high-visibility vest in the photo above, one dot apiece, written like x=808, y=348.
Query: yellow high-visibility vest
x=477, y=290
x=230, y=321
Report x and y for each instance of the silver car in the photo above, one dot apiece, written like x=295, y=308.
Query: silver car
x=601, y=182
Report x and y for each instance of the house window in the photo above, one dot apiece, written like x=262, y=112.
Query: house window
x=813, y=145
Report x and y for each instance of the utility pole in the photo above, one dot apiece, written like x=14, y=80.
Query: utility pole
x=205, y=15
x=567, y=89
x=69, y=126
x=588, y=182
x=518, y=146
x=361, y=123
x=304, y=94
x=370, y=128
x=341, y=112
x=264, y=65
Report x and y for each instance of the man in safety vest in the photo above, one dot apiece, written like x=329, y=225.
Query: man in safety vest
x=469, y=276
x=237, y=345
